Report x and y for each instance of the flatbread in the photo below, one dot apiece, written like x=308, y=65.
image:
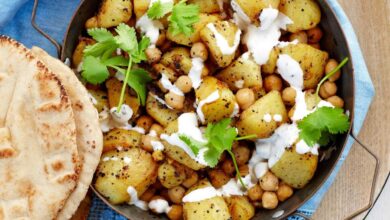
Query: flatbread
x=89, y=135
x=39, y=160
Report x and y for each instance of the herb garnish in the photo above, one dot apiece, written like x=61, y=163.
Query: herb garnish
x=220, y=138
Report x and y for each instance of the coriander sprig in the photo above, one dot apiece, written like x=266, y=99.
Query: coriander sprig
x=220, y=137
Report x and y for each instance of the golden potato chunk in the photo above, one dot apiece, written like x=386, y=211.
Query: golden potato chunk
x=221, y=108
x=259, y=118
x=114, y=88
x=305, y=14
x=171, y=174
x=270, y=66
x=121, y=138
x=253, y=8
x=222, y=38
x=207, y=6
x=240, y=208
x=311, y=60
x=178, y=59
x=295, y=169
x=141, y=7
x=120, y=169
x=111, y=13
x=159, y=111
x=99, y=99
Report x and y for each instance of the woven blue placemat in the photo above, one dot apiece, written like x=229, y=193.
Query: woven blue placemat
x=53, y=16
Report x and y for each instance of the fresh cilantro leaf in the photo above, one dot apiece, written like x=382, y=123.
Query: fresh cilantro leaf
x=323, y=121
x=126, y=38
x=100, y=34
x=212, y=155
x=138, y=78
x=192, y=143
x=183, y=17
x=159, y=9
x=139, y=54
x=116, y=61
x=100, y=48
x=94, y=70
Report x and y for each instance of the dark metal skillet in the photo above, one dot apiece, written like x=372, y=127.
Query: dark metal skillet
x=334, y=41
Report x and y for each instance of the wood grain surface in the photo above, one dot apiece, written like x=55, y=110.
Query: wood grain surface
x=350, y=191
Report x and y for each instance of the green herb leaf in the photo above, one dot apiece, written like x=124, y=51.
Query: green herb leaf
x=192, y=143
x=94, y=70
x=100, y=34
x=126, y=38
x=159, y=9
x=322, y=123
x=139, y=54
x=138, y=78
x=116, y=61
x=183, y=17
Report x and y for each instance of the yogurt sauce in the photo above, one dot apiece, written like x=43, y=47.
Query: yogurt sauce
x=134, y=199
x=157, y=145
x=166, y=83
x=221, y=41
x=159, y=206
x=239, y=84
x=110, y=119
x=210, y=99
x=201, y=194
x=195, y=73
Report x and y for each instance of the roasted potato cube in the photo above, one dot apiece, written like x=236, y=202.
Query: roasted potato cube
x=221, y=108
x=171, y=174
x=121, y=138
x=111, y=13
x=270, y=66
x=242, y=73
x=204, y=19
x=295, y=169
x=178, y=59
x=240, y=208
x=78, y=53
x=141, y=7
x=253, y=8
x=99, y=99
x=120, y=169
x=159, y=111
x=207, y=6
x=114, y=88
x=208, y=209
x=311, y=60
x=225, y=34
x=305, y=14
x=252, y=119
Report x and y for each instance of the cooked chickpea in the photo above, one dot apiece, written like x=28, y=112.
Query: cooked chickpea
x=157, y=128
x=331, y=65
x=153, y=54
x=314, y=35
x=269, y=182
x=244, y=169
x=316, y=45
x=158, y=155
x=148, y=194
x=273, y=82
x=174, y=100
x=284, y=192
x=288, y=95
x=199, y=50
x=176, y=194
x=161, y=38
x=336, y=101
x=328, y=89
x=245, y=98
x=192, y=178
x=228, y=167
x=269, y=200
x=218, y=178
x=184, y=83
x=176, y=212
x=255, y=193
x=147, y=142
x=300, y=36
x=242, y=154
x=145, y=122
x=205, y=71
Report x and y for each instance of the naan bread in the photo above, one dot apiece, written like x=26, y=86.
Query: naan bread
x=89, y=135
x=39, y=169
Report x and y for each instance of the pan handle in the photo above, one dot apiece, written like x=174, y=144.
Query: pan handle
x=43, y=33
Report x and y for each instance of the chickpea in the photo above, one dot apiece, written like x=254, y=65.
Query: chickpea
x=192, y=178
x=153, y=54
x=245, y=98
x=205, y=71
x=148, y=194
x=176, y=212
x=176, y=194
x=146, y=142
x=218, y=178
x=328, y=89
x=273, y=82
x=161, y=38
x=244, y=170
x=174, y=100
x=184, y=83
x=255, y=193
x=269, y=200
x=331, y=65
x=336, y=101
x=157, y=128
x=314, y=35
x=242, y=154
x=228, y=167
x=316, y=45
x=199, y=50
x=269, y=182
x=284, y=192
x=158, y=155
x=145, y=122
x=300, y=36
x=288, y=95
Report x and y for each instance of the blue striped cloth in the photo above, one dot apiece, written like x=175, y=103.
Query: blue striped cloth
x=54, y=15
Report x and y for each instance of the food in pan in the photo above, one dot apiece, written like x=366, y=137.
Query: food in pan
x=210, y=109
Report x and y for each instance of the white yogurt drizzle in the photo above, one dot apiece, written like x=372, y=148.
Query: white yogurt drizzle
x=134, y=199
x=157, y=146
x=236, y=111
x=239, y=17
x=201, y=194
x=110, y=119
x=160, y=100
x=195, y=73
x=210, y=99
x=159, y=206
x=127, y=160
x=239, y=84
x=221, y=41
x=167, y=84
x=290, y=70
